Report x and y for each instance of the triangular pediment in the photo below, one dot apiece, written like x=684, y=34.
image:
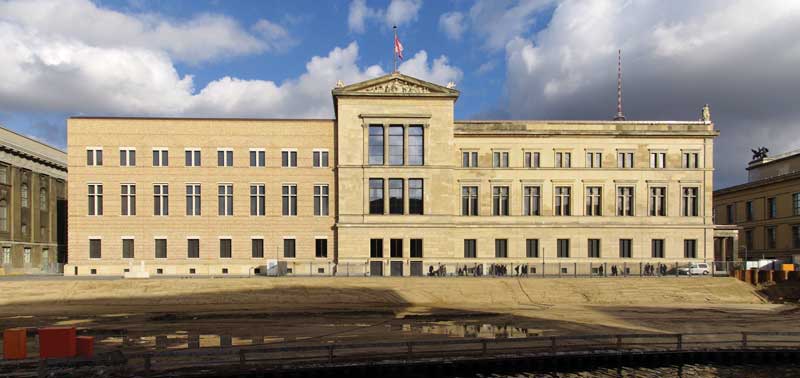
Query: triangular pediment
x=395, y=84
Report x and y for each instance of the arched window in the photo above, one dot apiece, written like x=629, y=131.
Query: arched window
x=43, y=199
x=24, y=195
x=3, y=216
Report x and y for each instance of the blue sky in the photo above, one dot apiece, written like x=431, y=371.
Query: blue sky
x=511, y=59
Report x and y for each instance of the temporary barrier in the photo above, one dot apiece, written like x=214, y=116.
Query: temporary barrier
x=85, y=346
x=15, y=344
x=57, y=342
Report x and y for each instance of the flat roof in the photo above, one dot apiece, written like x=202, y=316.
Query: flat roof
x=209, y=118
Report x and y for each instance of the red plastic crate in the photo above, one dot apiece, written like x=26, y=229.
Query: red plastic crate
x=15, y=344
x=57, y=342
x=85, y=346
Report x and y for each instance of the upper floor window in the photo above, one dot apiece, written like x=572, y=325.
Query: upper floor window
x=795, y=236
x=289, y=200
x=396, y=152
x=225, y=199
x=321, y=200
x=500, y=159
x=415, y=196
x=469, y=159
x=225, y=157
x=127, y=157
x=95, y=199
x=625, y=159
x=469, y=200
x=396, y=197
x=500, y=200
x=532, y=200
x=258, y=199
x=320, y=158
x=3, y=174
x=192, y=157
x=94, y=156
x=625, y=201
x=730, y=213
x=691, y=202
x=796, y=204
x=658, y=159
x=690, y=160
x=376, y=196
x=658, y=201
x=258, y=157
x=24, y=196
x=563, y=160
x=531, y=159
x=128, y=199
x=376, y=144
x=160, y=157
x=43, y=202
x=772, y=208
x=563, y=200
x=594, y=159
x=416, y=145
x=748, y=210
x=594, y=195
x=193, y=199
x=288, y=158
x=771, y=237
x=3, y=215
x=160, y=199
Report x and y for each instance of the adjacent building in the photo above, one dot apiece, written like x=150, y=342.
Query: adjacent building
x=33, y=205
x=393, y=185
x=766, y=209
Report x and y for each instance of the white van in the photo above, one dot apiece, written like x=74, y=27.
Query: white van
x=696, y=268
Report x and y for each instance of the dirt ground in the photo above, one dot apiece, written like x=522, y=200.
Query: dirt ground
x=367, y=309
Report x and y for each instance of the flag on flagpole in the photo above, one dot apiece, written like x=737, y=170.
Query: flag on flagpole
x=398, y=47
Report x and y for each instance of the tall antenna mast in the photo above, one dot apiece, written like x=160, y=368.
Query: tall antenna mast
x=619, y=116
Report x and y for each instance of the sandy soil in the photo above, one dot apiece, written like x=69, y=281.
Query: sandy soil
x=346, y=309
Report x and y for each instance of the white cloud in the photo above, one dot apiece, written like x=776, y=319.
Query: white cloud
x=397, y=13
x=439, y=71
x=499, y=22
x=677, y=56
x=453, y=24
x=201, y=38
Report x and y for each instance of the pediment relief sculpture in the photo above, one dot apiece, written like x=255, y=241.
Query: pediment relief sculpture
x=396, y=86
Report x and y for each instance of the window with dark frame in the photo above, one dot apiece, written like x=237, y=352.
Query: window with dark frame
x=415, y=196
x=127, y=157
x=95, y=248
x=225, y=248
x=225, y=200
x=396, y=198
x=160, y=157
x=320, y=159
x=531, y=248
x=415, y=246
x=376, y=248
x=321, y=200
x=658, y=201
x=562, y=248
x=258, y=199
x=376, y=145
x=594, y=248
x=470, y=248
x=690, y=248
x=320, y=248
x=193, y=248
x=416, y=145
x=396, y=248
x=532, y=200
x=469, y=200
x=161, y=199
x=625, y=248
x=657, y=248
x=691, y=203
x=501, y=248
x=376, y=196
x=531, y=159
x=258, y=158
x=225, y=158
x=500, y=200
x=594, y=196
x=563, y=200
x=192, y=158
x=289, y=248
x=127, y=248
x=257, y=248
x=161, y=248
x=396, y=151
x=193, y=199
x=289, y=200
x=625, y=201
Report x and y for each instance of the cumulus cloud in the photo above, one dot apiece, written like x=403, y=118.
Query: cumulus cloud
x=198, y=39
x=453, y=24
x=439, y=71
x=499, y=21
x=741, y=57
x=397, y=13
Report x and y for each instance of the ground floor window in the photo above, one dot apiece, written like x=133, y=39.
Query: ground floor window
x=321, y=247
x=690, y=248
x=376, y=248
x=161, y=248
x=470, y=248
x=501, y=248
x=416, y=248
x=193, y=248
x=95, y=249
x=289, y=248
x=532, y=248
x=594, y=248
x=225, y=248
x=658, y=248
x=257, y=247
x=625, y=248
x=127, y=248
x=396, y=248
x=562, y=248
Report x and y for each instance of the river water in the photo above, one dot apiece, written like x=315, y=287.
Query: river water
x=684, y=371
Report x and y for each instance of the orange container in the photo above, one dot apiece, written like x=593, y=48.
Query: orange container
x=15, y=344
x=85, y=346
x=57, y=342
x=787, y=267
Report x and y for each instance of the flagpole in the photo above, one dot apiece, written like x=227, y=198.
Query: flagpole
x=394, y=48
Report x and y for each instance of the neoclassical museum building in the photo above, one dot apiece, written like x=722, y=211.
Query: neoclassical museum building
x=393, y=185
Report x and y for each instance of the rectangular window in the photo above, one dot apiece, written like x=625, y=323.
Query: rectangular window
x=225, y=248
x=193, y=199
x=796, y=204
x=375, y=196
x=562, y=248
x=469, y=200
x=225, y=157
x=658, y=201
x=594, y=160
x=657, y=248
x=690, y=248
x=161, y=199
x=625, y=201
x=500, y=200
x=625, y=248
x=127, y=248
x=771, y=237
x=289, y=158
x=376, y=144
x=289, y=248
x=321, y=200
x=161, y=248
x=257, y=248
x=658, y=160
x=416, y=145
x=501, y=248
x=321, y=248
x=225, y=199
x=396, y=248
x=594, y=248
x=319, y=158
x=532, y=200
x=376, y=248
x=772, y=208
x=563, y=200
x=128, y=198
x=625, y=160
x=531, y=248
x=594, y=196
x=748, y=239
x=748, y=209
x=416, y=248
x=469, y=159
x=127, y=157
x=730, y=214
x=415, y=196
x=94, y=157
x=470, y=248
x=160, y=157
x=500, y=159
x=563, y=160
x=795, y=236
x=193, y=248
x=192, y=156
x=289, y=200
x=95, y=251
x=396, y=196
x=690, y=160
x=258, y=158
x=258, y=199
x=691, y=203
x=531, y=159
x=396, y=136
x=95, y=199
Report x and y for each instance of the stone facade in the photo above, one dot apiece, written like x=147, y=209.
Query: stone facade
x=374, y=185
x=33, y=195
